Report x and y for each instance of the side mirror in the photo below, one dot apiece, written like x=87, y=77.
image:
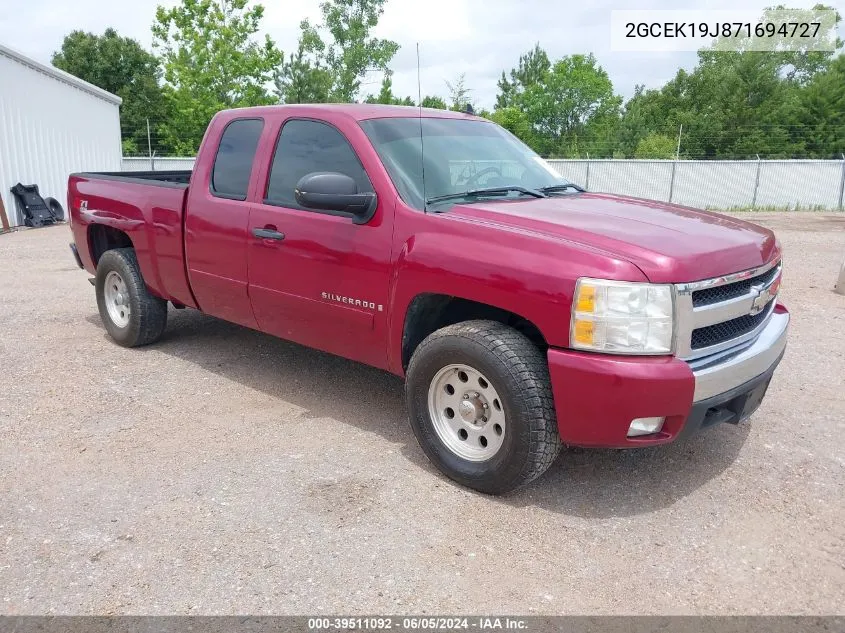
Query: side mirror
x=329, y=191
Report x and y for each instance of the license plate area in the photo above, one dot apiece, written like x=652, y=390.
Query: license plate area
x=738, y=408
x=753, y=400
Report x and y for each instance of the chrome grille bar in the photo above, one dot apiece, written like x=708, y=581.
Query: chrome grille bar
x=689, y=317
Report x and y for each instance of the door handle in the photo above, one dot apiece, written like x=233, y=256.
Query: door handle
x=268, y=233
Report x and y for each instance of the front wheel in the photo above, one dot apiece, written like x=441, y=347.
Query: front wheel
x=481, y=406
x=131, y=315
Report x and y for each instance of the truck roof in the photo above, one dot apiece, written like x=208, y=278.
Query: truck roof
x=359, y=111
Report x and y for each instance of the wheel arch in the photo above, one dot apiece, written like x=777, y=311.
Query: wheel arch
x=428, y=312
x=102, y=238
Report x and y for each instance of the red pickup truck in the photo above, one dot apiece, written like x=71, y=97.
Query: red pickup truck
x=523, y=312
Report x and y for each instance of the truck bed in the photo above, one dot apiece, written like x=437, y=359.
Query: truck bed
x=176, y=178
x=148, y=208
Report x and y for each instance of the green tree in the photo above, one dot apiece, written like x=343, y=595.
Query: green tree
x=386, y=96
x=304, y=77
x=121, y=66
x=434, y=102
x=211, y=62
x=663, y=111
x=516, y=122
x=459, y=93
x=644, y=113
x=759, y=93
x=655, y=146
x=575, y=101
x=822, y=112
x=800, y=63
x=351, y=50
x=736, y=103
x=532, y=69
x=732, y=105
x=569, y=106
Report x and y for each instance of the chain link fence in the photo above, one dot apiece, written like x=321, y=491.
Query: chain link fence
x=706, y=184
x=157, y=163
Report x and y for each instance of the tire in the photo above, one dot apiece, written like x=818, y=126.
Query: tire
x=131, y=315
x=56, y=209
x=515, y=392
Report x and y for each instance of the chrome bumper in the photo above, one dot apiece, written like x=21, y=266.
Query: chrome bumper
x=722, y=372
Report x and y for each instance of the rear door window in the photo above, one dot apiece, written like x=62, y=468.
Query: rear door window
x=235, y=155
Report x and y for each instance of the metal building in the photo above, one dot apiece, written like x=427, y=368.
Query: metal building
x=52, y=124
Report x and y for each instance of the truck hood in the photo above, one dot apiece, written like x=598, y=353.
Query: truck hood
x=669, y=243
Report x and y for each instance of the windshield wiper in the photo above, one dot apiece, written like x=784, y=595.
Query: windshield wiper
x=490, y=191
x=556, y=188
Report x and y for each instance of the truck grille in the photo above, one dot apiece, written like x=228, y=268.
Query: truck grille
x=716, y=315
x=727, y=330
x=717, y=294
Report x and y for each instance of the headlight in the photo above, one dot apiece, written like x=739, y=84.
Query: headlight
x=618, y=317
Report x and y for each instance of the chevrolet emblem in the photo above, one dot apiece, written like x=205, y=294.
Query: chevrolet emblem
x=764, y=294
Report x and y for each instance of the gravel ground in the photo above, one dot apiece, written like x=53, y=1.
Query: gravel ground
x=224, y=471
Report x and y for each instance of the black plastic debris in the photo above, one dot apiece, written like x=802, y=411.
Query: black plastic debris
x=35, y=210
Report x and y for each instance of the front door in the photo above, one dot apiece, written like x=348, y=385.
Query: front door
x=316, y=277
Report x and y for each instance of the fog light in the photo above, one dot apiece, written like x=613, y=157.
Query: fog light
x=645, y=426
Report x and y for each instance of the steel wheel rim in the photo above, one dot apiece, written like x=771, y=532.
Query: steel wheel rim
x=116, y=297
x=466, y=412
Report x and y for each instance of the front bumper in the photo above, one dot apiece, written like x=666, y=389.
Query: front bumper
x=597, y=395
x=722, y=372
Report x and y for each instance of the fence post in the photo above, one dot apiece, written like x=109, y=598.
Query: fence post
x=678, y=150
x=587, y=184
x=150, y=147
x=842, y=183
x=672, y=179
x=756, y=184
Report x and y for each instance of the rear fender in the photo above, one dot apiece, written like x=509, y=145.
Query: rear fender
x=151, y=218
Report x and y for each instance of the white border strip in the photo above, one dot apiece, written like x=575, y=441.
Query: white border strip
x=60, y=75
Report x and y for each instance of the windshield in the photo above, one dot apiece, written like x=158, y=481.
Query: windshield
x=461, y=155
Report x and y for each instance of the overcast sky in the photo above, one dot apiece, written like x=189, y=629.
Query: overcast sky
x=477, y=37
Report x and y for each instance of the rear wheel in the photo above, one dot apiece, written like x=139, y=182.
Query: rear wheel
x=132, y=316
x=481, y=406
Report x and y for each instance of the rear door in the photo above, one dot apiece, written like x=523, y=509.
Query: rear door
x=316, y=277
x=216, y=226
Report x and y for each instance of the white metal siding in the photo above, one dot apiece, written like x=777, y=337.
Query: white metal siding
x=50, y=126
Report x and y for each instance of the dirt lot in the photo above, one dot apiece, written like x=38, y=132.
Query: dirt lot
x=224, y=471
